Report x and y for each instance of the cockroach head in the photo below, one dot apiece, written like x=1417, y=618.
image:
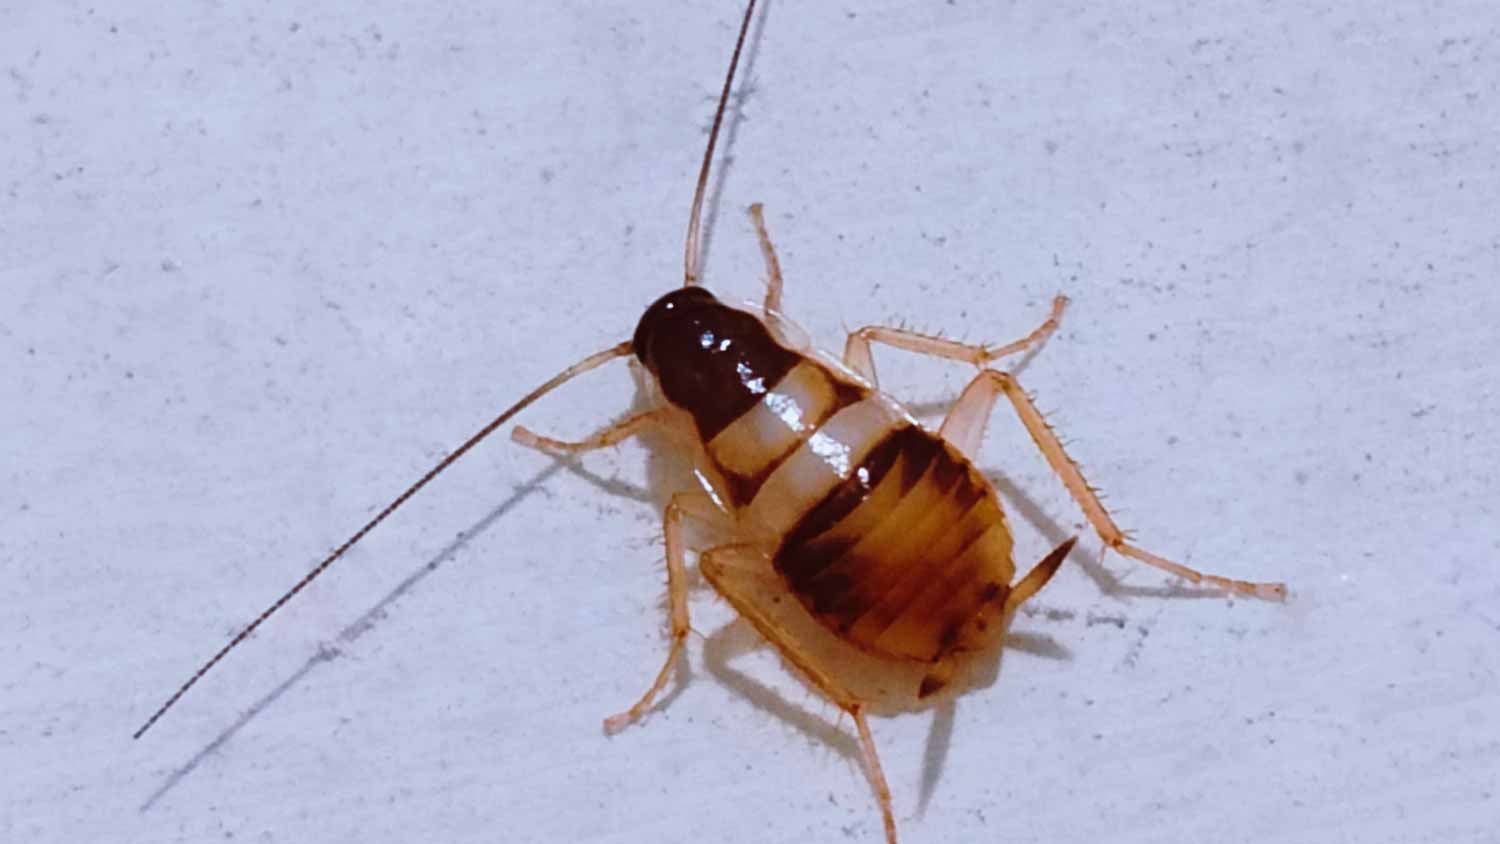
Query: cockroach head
x=698, y=347
x=672, y=325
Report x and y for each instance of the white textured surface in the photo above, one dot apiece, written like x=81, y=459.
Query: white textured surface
x=260, y=265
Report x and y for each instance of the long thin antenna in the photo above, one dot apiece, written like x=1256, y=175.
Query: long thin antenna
x=690, y=258
x=588, y=363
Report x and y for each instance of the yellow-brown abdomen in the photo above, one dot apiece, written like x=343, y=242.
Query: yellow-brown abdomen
x=909, y=556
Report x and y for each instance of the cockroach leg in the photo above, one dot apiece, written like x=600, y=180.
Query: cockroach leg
x=773, y=266
x=785, y=330
x=967, y=419
x=975, y=404
x=877, y=776
x=683, y=505
x=613, y=435
x=857, y=348
x=716, y=564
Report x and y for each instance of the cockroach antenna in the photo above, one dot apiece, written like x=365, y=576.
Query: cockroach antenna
x=690, y=253
x=588, y=363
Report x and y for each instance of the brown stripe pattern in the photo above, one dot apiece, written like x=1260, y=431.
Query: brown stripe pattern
x=909, y=556
x=887, y=534
x=749, y=450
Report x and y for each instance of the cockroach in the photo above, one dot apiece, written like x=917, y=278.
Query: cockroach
x=883, y=530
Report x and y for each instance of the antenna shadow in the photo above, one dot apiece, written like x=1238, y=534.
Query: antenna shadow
x=368, y=621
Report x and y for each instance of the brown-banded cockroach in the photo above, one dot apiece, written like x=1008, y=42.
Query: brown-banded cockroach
x=883, y=531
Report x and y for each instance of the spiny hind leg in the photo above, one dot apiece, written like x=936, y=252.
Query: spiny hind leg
x=773, y=266
x=683, y=505
x=974, y=406
x=613, y=435
x=857, y=348
x=716, y=564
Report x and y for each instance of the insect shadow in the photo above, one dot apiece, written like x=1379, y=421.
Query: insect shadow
x=366, y=622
